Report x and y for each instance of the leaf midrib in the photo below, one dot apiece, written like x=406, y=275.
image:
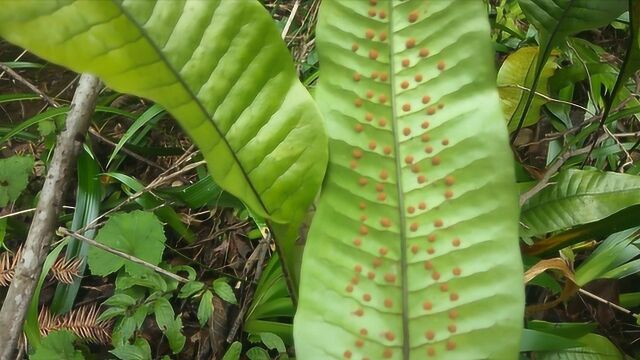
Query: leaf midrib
x=194, y=98
x=406, y=348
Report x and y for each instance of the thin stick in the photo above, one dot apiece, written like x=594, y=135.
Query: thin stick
x=26, y=83
x=604, y=301
x=290, y=19
x=42, y=228
x=159, y=270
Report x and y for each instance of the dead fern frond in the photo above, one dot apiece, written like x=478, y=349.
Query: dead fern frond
x=8, y=264
x=65, y=270
x=83, y=322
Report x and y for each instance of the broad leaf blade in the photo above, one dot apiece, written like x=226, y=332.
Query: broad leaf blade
x=219, y=67
x=413, y=249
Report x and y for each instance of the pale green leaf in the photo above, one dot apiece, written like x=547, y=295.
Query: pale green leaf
x=224, y=290
x=205, y=309
x=58, y=345
x=14, y=176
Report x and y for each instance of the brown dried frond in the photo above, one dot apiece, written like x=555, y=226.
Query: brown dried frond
x=83, y=322
x=64, y=270
x=8, y=264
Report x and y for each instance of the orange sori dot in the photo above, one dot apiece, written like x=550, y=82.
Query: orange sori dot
x=387, y=353
x=376, y=262
x=435, y=276
x=451, y=345
x=435, y=160
x=406, y=131
x=372, y=145
x=387, y=150
x=374, y=75
x=357, y=268
x=411, y=209
x=425, y=137
x=356, y=76
x=347, y=354
x=422, y=179
x=406, y=107
x=370, y=34
x=427, y=305
x=373, y=2
x=428, y=265
x=438, y=223
x=355, y=280
x=431, y=110
x=424, y=52
x=431, y=250
x=390, y=278
x=373, y=54
x=349, y=288
x=415, y=249
x=413, y=227
x=455, y=242
x=363, y=332
x=382, y=196
x=372, y=12
x=411, y=42
x=425, y=124
x=422, y=205
x=384, y=174
x=430, y=335
x=363, y=181
x=449, y=180
x=369, y=94
x=389, y=335
x=358, y=102
x=448, y=194
x=358, y=312
x=404, y=84
x=364, y=230
x=382, y=98
x=426, y=99
x=385, y=222
x=456, y=271
x=431, y=238
x=359, y=343
x=452, y=328
x=357, y=153
x=382, y=14
x=357, y=241
x=444, y=287
x=382, y=122
x=454, y=296
x=355, y=47
x=371, y=275
x=353, y=164
x=417, y=77
x=453, y=314
x=363, y=218
x=406, y=62
x=428, y=149
x=408, y=159
x=415, y=168
x=379, y=187
x=384, y=76
x=441, y=65
x=445, y=141
x=413, y=16
x=366, y=297
x=368, y=117
x=362, y=205
x=388, y=303
x=383, y=36
x=431, y=352
x=441, y=106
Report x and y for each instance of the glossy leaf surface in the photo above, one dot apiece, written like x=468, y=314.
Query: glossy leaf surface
x=219, y=67
x=413, y=250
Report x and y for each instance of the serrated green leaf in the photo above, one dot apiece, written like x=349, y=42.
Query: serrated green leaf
x=14, y=176
x=58, y=345
x=164, y=313
x=224, y=290
x=256, y=353
x=413, y=248
x=110, y=313
x=576, y=197
x=175, y=336
x=120, y=300
x=139, y=350
x=273, y=341
x=233, y=352
x=205, y=309
x=189, y=289
x=123, y=331
x=137, y=233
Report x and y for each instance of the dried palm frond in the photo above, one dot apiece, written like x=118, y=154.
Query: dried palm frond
x=64, y=270
x=83, y=322
x=8, y=264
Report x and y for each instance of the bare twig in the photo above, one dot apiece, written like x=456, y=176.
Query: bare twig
x=26, y=83
x=28, y=270
x=604, y=301
x=292, y=15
